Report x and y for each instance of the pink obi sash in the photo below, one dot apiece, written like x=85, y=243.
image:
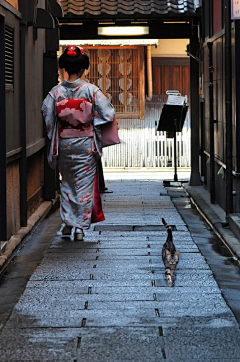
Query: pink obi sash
x=74, y=118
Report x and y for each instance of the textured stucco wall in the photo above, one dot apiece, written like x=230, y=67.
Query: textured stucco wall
x=170, y=48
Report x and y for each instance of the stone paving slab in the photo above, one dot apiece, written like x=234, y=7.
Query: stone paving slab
x=184, y=234
x=74, y=318
x=112, y=271
x=125, y=289
x=122, y=344
x=71, y=274
x=174, y=219
x=101, y=284
x=125, y=238
x=106, y=299
x=68, y=272
x=145, y=300
x=122, y=244
x=92, y=344
x=128, y=254
x=105, y=253
x=203, y=348
x=186, y=258
x=121, y=317
x=135, y=241
x=56, y=344
x=197, y=279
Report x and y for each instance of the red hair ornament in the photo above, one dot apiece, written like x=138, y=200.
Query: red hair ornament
x=81, y=50
x=72, y=51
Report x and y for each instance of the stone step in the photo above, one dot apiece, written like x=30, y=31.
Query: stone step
x=234, y=224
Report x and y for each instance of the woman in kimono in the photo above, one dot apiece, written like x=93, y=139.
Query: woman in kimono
x=80, y=109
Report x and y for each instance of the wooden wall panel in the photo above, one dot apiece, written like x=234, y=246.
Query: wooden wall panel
x=185, y=79
x=217, y=16
x=157, y=79
x=141, y=83
x=171, y=73
x=170, y=78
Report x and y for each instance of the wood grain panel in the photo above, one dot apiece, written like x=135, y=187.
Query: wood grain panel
x=185, y=80
x=170, y=78
x=156, y=79
x=170, y=75
x=141, y=83
x=217, y=16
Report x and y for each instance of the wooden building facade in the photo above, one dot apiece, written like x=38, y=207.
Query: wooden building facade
x=121, y=71
x=29, y=42
x=220, y=113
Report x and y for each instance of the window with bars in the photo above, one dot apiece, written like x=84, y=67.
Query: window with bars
x=116, y=72
x=9, y=56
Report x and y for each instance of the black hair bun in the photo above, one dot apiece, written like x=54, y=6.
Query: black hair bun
x=73, y=59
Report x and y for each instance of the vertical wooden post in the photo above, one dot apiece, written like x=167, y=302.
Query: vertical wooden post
x=141, y=83
x=237, y=72
x=181, y=80
x=203, y=157
x=104, y=75
x=194, y=99
x=50, y=77
x=228, y=107
x=125, y=80
x=23, y=160
x=211, y=128
x=3, y=183
x=149, y=71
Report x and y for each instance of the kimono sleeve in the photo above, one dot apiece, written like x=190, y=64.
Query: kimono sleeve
x=49, y=114
x=103, y=110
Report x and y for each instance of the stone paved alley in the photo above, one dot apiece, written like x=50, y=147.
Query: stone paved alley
x=106, y=299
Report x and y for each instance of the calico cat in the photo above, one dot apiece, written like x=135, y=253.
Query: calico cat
x=170, y=256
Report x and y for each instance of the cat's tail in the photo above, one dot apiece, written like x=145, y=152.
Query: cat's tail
x=164, y=222
x=169, y=229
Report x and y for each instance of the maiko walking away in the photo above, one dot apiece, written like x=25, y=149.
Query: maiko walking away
x=79, y=121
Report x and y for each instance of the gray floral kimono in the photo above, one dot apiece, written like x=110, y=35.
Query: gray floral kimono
x=80, y=109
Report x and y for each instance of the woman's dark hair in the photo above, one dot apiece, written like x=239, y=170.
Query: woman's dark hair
x=73, y=59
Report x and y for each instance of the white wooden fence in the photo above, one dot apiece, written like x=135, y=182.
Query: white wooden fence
x=143, y=146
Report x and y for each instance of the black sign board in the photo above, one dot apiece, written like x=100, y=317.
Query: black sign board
x=172, y=118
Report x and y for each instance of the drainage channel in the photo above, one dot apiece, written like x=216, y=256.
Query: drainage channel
x=220, y=259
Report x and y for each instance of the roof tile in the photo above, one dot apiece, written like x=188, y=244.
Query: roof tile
x=129, y=7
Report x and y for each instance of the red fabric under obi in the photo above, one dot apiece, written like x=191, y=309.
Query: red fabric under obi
x=74, y=118
x=97, y=211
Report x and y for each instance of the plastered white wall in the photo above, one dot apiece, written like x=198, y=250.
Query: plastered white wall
x=170, y=48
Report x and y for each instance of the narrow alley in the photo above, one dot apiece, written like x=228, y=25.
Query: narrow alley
x=106, y=299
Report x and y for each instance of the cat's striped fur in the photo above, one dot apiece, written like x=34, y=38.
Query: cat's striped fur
x=170, y=256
